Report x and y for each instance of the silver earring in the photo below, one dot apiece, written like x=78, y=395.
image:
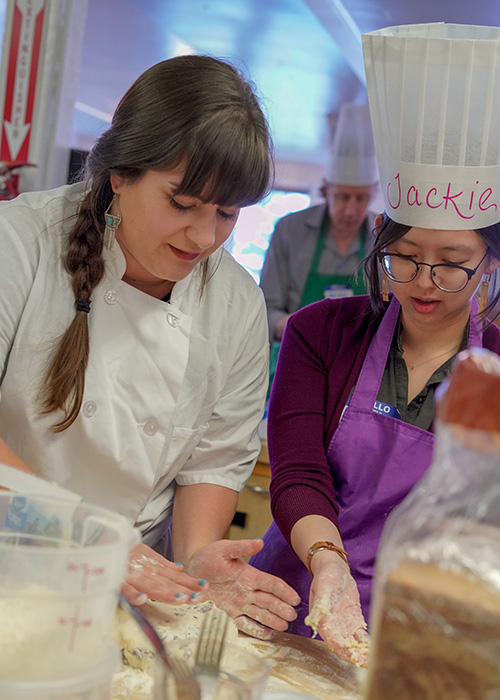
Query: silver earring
x=111, y=222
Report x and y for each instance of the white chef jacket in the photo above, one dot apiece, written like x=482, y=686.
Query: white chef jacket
x=174, y=392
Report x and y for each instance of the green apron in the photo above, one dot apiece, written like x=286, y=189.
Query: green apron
x=319, y=286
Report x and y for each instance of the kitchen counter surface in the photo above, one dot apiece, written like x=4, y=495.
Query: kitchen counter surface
x=307, y=666
x=298, y=664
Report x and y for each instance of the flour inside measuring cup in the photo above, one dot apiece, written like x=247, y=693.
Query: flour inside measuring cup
x=44, y=636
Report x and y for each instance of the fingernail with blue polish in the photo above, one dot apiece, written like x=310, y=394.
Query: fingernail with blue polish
x=177, y=563
x=195, y=595
x=201, y=581
x=179, y=595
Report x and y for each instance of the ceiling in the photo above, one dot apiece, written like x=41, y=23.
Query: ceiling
x=303, y=55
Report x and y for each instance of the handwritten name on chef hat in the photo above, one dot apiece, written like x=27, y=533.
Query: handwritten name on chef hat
x=434, y=96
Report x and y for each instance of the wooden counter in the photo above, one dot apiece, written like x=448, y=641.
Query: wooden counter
x=307, y=666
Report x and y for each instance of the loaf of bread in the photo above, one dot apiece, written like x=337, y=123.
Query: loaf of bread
x=438, y=637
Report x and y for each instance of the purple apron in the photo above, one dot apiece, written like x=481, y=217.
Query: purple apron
x=375, y=460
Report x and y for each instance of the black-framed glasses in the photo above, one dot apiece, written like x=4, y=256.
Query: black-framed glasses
x=446, y=276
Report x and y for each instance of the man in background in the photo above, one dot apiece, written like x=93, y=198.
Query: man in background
x=315, y=253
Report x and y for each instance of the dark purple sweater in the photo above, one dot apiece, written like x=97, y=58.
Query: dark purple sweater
x=320, y=358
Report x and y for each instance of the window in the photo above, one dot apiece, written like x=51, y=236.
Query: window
x=255, y=226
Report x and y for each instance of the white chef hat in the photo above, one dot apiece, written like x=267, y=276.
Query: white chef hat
x=434, y=95
x=352, y=159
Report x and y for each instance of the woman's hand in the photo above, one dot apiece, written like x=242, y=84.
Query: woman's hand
x=258, y=602
x=152, y=576
x=335, y=612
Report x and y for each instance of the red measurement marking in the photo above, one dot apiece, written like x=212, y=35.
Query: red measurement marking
x=87, y=572
x=75, y=623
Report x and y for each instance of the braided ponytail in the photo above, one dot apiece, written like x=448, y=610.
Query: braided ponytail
x=64, y=383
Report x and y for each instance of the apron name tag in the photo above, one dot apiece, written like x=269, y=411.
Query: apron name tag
x=336, y=291
x=383, y=409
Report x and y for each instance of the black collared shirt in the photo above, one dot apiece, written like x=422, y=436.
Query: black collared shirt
x=394, y=385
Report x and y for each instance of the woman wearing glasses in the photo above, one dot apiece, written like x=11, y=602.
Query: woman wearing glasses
x=352, y=406
x=337, y=473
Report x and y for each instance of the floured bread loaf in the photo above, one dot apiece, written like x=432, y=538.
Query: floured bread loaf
x=438, y=637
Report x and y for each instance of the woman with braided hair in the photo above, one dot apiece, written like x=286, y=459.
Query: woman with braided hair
x=134, y=348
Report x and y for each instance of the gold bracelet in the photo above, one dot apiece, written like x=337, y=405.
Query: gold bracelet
x=320, y=546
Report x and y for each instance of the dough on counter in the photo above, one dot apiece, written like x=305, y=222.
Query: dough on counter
x=177, y=625
x=179, y=628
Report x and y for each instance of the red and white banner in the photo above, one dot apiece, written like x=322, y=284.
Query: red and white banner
x=20, y=87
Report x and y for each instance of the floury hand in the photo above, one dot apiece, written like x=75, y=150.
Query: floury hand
x=335, y=612
x=258, y=602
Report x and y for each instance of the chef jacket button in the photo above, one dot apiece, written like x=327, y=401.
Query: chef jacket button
x=111, y=297
x=89, y=408
x=151, y=426
x=172, y=320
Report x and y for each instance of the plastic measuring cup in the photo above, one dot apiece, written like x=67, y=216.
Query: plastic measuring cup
x=93, y=684
x=61, y=567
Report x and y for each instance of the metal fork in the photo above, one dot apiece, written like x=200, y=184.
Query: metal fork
x=186, y=683
x=211, y=642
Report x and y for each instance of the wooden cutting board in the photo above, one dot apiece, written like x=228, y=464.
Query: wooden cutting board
x=307, y=666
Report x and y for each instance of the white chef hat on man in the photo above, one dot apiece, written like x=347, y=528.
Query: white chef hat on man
x=352, y=159
x=434, y=95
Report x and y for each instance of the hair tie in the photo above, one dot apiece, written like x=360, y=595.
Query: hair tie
x=83, y=305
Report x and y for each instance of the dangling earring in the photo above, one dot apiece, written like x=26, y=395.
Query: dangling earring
x=483, y=299
x=111, y=224
x=385, y=293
